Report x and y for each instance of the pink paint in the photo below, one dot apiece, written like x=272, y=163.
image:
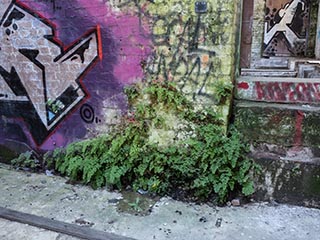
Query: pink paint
x=288, y=92
x=259, y=90
x=298, y=129
x=133, y=40
x=55, y=141
x=243, y=85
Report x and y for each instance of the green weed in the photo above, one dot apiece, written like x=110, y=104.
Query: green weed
x=206, y=161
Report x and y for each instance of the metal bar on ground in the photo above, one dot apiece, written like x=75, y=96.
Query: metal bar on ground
x=58, y=226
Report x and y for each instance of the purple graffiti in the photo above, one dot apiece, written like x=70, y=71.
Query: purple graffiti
x=125, y=44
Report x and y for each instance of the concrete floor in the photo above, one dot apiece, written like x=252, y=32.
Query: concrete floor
x=17, y=231
x=51, y=197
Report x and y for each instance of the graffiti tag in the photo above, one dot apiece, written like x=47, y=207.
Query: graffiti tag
x=288, y=91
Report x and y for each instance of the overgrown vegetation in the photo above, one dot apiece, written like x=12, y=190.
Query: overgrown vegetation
x=164, y=144
x=223, y=90
x=28, y=161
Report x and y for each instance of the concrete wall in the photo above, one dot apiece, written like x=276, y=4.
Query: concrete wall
x=63, y=64
x=278, y=95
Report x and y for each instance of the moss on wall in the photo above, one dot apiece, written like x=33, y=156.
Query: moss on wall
x=278, y=124
x=191, y=49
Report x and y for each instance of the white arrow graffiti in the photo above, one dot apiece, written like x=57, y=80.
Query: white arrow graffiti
x=287, y=14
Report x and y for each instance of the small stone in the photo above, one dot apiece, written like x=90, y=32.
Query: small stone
x=49, y=173
x=113, y=201
x=273, y=203
x=81, y=221
x=197, y=208
x=203, y=219
x=179, y=212
x=218, y=222
x=235, y=202
x=142, y=192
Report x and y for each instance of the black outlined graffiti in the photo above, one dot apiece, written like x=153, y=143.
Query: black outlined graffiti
x=286, y=27
x=13, y=81
x=39, y=79
x=87, y=113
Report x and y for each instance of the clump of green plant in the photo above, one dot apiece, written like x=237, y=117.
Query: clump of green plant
x=27, y=161
x=135, y=205
x=207, y=162
x=222, y=90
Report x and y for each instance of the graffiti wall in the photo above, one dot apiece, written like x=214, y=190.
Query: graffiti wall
x=63, y=64
x=279, y=91
x=286, y=27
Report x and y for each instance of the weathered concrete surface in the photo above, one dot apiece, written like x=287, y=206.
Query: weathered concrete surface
x=285, y=140
x=281, y=124
x=268, y=88
x=16, y=231
x=289, y=181
x=51, y=197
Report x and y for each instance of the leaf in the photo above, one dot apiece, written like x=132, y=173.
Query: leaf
x=248, y=188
